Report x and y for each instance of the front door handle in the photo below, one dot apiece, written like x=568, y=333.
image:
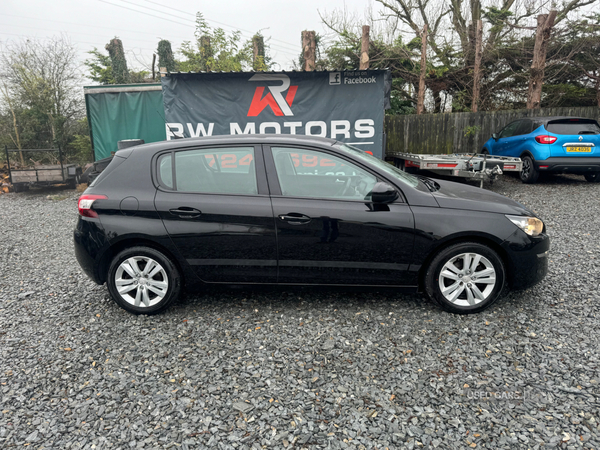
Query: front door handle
x=185, y=212
x=294, y=218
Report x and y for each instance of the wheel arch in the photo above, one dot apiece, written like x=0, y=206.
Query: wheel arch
x=123, y=244
x=527, y=153
x=478, y=239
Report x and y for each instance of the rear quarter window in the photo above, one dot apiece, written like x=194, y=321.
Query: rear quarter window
x=573, y=127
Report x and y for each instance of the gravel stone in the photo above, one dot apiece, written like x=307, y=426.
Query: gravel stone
x=310, y=368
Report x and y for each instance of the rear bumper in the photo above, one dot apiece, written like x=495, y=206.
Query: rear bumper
x=90, y=243
x=576, y=164
x=528, y=259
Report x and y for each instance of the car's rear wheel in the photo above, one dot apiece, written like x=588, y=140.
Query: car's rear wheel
x=529, y=174
x=465, y=278
x=143, y=281
x=593, y=177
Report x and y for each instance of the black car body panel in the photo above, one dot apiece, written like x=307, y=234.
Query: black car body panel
x=465, y=197
x=267, y=237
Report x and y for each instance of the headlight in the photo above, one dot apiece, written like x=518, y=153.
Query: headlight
x=530, y=225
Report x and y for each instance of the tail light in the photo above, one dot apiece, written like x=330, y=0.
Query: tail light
x=84, y=205
x=545, y=139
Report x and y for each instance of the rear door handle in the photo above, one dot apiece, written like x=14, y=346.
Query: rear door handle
x=294, y=218
x=185, y=212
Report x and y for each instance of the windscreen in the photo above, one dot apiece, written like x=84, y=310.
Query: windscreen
x=388, y=168
x=573, y=126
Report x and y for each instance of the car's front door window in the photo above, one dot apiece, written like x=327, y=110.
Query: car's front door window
x=510, y=129
x=315, y=174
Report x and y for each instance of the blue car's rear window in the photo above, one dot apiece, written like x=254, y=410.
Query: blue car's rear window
x=573, y=126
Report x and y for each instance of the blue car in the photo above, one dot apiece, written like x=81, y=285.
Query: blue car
x=550, y=144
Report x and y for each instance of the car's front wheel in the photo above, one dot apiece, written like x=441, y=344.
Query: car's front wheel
x=465, y=278
x=143, y=281
x=593, y=177
x=529, y=174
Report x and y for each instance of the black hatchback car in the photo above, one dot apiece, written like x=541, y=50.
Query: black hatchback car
x=296, y=210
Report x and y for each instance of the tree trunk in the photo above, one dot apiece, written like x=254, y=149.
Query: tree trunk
x=421, y=95
x=153, y=65
x=308, y=49
x=364, y=48
x=437, y=101
x=205, y=54
x=258, y=53
x=477, y=69
x=17, y=137
x=536, y=80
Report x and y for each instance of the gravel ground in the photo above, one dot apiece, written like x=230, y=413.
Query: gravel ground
x=297, y=368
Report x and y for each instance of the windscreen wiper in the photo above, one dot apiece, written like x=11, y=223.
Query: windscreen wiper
x=431, y=184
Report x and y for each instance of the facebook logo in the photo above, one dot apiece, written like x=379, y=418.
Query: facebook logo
x=335, y=78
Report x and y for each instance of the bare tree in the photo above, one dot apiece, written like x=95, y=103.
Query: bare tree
x=6, y=98
x=43, y=76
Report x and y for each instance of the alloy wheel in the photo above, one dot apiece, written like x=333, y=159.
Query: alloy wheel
x=467, y=279
x=141, y=281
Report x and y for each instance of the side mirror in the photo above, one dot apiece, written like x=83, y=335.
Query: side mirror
x=495, y=136
x=382, y=193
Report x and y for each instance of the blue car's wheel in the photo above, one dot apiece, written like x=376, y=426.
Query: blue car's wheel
x=529, y=174
x=593, y=177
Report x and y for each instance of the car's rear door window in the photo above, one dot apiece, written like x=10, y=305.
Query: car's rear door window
x=525, y=127
x=165, y=170
x=573, y=126
x=229, y=170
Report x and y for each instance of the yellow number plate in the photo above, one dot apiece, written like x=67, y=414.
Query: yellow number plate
x=579, y=149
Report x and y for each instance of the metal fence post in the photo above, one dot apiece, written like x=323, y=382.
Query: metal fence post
x=62, y=170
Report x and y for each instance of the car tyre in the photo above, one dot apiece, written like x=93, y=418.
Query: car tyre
x=529, y=174
x=593, y=177
x=143, y=280
x=465, y=278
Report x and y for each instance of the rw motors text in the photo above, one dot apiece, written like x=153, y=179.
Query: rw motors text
x=362, y=129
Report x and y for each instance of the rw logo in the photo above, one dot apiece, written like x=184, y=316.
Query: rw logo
x=274, y=98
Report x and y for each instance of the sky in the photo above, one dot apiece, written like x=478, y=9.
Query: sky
x=140, y=24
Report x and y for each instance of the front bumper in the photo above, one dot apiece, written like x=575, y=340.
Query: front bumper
x=575, y=164
x=528, y=259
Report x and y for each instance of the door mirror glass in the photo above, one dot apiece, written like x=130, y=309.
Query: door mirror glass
x=495, y=136
x=382, y=193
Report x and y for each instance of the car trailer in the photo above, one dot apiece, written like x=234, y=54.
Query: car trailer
x=42, y=174
x=482, y=167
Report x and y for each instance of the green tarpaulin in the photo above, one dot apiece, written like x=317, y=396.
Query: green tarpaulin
x=122, y=112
